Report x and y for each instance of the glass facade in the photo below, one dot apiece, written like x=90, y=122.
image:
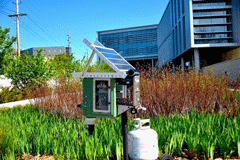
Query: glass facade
x=212, y=21
x=208, y=3
x=177, y=8
x=131, y=42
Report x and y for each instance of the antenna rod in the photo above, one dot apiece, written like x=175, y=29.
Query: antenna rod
x=69, y=41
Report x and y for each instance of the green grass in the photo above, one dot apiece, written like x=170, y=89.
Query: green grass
x=27, y=130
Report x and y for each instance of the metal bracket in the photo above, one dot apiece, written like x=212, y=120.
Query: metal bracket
x=97, y=43
x=90, y=121
x=122, y=108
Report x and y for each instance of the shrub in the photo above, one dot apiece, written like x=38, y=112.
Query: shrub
x=11, y=94
x=161, y=91
x=64, y=65
x=62, y=99
x=28, y=70
x=164, y=92
x=5, y=46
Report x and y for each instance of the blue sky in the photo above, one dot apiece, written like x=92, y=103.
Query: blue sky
x=48, y=21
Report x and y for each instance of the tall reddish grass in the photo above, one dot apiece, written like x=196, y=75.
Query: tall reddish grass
x=163, y=92
x=63, y=98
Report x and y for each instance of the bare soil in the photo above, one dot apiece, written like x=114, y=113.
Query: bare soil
x=30, y=157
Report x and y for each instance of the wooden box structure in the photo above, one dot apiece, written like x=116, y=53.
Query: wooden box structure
x=108, y=94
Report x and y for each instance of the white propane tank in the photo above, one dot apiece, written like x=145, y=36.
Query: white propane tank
x=142, y=141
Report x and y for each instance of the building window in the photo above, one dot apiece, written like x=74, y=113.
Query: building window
x=211, y=13
x=183, y=7
x=211, y=29
x=172, y=8
x=179, y=11
x=132, y=43
x=212, y=41
x=180, y=37
x=184, y=34
x=213, y=35
x=209, y=4
x=212, y=25
x=210, y=21
x=176, y=40
x=174, y=45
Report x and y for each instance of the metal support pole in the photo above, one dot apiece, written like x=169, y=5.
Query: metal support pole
x=182, y=64
x=173, y=68
x=17, y=15
x=196, y=60
x=91, y=129
x=124, y=133
x=17, y=28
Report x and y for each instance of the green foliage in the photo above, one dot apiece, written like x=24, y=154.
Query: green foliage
x=5, y=45
x=64, y=65
x=236, y=97
x=34, y=132
x=104, y=67
x=11, y=94
x=37, y=133
x=28, y=70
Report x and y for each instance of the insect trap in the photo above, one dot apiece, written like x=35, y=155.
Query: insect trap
x=108, y=94
x=111, y=95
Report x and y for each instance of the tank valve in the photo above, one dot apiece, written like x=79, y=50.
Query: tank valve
x=141, y=107
x=136, y=109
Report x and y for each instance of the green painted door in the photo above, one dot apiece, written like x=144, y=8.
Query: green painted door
x=99, y=98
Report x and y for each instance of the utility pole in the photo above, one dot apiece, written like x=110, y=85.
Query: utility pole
x=69, y=42
x=17, y=15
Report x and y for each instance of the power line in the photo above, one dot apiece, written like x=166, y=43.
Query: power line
x=32, y=31
x=28, y=28
x=45, y=18
x=5, y=13
x=43, y=29
x=25, y=26
x=7, y=9
x=41, y=21
x=39, y=25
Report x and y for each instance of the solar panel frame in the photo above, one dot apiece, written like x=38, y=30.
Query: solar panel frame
x=112, y=57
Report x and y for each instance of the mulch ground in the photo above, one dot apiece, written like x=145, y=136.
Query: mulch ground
x=30, y=157
x=184, y=156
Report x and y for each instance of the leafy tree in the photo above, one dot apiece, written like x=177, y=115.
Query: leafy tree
x=5, y=45
x=64, y=65
x=28, y=70
x=104, y=67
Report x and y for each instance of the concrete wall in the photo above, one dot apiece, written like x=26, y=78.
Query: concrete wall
x=48, y=51
x=232, y=67
x=235, y=53
x=17, y=103
x=5, y=82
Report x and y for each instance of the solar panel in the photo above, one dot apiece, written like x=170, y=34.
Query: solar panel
x=117, y=60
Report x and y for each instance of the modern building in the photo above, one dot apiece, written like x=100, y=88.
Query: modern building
x=48, y=51
x=135, y=44
x=199, y=32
